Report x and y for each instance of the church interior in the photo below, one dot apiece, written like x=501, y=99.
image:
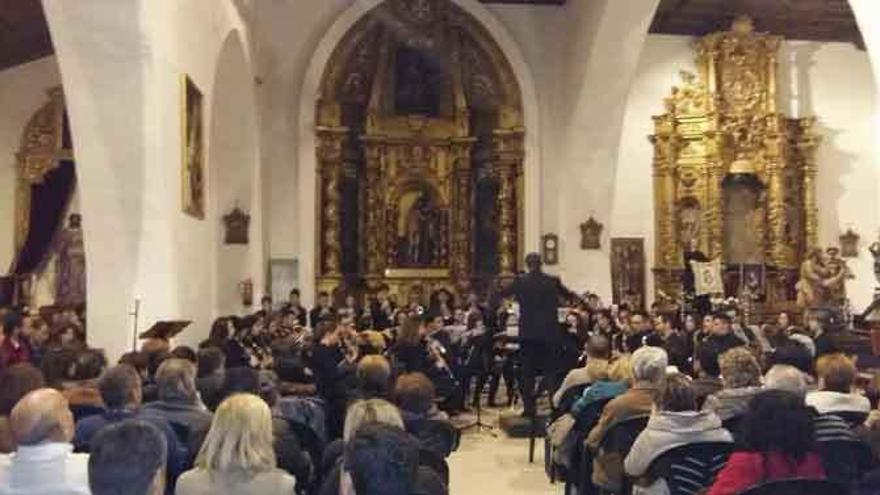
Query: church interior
x=174, y=172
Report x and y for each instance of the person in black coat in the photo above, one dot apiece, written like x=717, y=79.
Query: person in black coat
x=323, y=311
x=382, y=310
x=540, y=333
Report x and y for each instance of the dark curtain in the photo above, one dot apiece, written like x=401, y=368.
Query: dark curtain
x=49, y=201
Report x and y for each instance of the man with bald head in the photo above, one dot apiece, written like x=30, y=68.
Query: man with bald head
x=42, y=428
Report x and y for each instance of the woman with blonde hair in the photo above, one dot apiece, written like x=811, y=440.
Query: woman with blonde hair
x=237, y=457
x=369, y=411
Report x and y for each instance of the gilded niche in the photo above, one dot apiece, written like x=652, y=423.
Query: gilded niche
x=420, y=151
x=734, y=179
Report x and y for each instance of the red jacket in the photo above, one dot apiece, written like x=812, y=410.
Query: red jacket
x=11, y=353
x=747, y=469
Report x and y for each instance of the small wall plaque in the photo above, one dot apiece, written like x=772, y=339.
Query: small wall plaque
x=849, y=244
x=237, y=223
x=591, y=234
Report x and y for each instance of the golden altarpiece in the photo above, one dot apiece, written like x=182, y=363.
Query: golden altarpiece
x=734, y=178
x=420, y=150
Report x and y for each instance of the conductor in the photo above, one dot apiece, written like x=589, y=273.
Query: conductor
x=540, y=333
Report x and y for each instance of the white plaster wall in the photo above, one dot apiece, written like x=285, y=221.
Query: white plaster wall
x=811, y=83
x=121, y=62
x=23, y=90
x=633, y=196
x=235, y=179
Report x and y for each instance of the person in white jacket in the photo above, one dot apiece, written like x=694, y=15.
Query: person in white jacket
x=837, y=374
x=675, y=422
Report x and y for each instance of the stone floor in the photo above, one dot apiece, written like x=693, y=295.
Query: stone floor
x=486, y=465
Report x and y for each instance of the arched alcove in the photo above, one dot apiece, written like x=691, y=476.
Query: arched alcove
x=477, y=40
x=233, y=176
x=307, y=162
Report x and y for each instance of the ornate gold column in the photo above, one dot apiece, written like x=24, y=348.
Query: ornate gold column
x=374, y=213
x=775, y=242
x=807, y=145
x=664, y=187
x=507, y=157
x=330, y=156
x=462, y=231
x=714, y=214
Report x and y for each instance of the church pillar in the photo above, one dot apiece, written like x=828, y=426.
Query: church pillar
x=507, y=157
x=776, y=243
x=807, y=146
x=714, y=213
x=665, y=252
x=374, y=223
x=462, y=232
x=330, y=157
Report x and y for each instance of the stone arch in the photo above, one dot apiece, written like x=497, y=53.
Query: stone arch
x=234, y=175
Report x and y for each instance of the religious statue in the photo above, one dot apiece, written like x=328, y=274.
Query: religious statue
x=822, y=279
x=70, y=277
x=421, y=237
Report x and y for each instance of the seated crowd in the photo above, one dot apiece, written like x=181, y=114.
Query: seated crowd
x=358, y=399
x=735, y=413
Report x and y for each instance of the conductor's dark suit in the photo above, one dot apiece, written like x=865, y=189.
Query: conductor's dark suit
x=541, y=335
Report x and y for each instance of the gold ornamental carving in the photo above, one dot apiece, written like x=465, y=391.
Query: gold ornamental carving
x=41, y=150
x=733, y=177
x=416, y=102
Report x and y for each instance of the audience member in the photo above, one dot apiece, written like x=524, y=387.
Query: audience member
x=598, y=351
x=383, y=460
x=786, y=377
x=414, y=394
x=120, y=389
x=14, y=348
x=676, y=422
x=708, y=373
x=178, y=402
x=237, y=457
x=44, y=462
x=722, y=335
x=374, y=377
x=741, y=376
x=649, y=372
x=617, y=379
x=778, y=439
x=185, y=352
x=837, y=374
x=128, y=459
x=289, y=453
x=15, y=382
x=209, y=376
x=80, y=382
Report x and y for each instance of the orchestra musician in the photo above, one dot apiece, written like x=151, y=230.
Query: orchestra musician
x=382, y=309
x=294, y=307
x=323, y=311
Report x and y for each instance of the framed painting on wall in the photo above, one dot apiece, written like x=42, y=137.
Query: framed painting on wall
x=193, y=149
x=283, y=277
x=628, y=271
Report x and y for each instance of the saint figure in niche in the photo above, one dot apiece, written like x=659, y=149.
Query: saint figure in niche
x=421, y=234
x=70, y=277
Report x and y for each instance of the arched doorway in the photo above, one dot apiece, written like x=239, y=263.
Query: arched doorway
x=420, y=149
